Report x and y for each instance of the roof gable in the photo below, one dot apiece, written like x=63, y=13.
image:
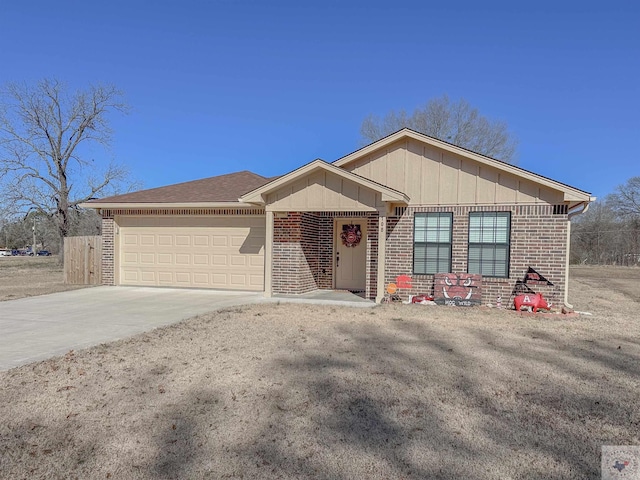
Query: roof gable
x=265, y=194
x=455, y=158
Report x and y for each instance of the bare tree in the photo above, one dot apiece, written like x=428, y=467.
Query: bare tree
x=595, y=236
x=609, y=232
x=46, y=140
x=454, y=122
x=626, y=199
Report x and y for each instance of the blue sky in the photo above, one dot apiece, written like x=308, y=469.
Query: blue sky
x=220, y=86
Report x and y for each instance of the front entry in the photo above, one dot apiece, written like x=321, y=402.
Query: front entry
x=351, y=254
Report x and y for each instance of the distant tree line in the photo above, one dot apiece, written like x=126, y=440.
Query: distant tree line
x=609, y=232
x=19, y=232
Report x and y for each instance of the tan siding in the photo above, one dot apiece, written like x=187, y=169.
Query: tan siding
x=467, y=182
x=396, y=168
x=447, y=187
x=415, y=174
x=506, y=189
x=486, y=185
x=432, y=176
x=527, y=192
x=324, y=191
x=333, y=190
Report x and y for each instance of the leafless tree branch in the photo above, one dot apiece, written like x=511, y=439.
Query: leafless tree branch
x=454, y=122
x=43, y=161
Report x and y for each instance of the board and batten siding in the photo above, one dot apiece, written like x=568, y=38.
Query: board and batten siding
x=432, y=176
x=324, y=191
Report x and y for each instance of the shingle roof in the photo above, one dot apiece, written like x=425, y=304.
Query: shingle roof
x=223, y=188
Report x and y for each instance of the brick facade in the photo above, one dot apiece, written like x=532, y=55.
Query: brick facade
x=538, y=239
x=303, y=251
x=108, y=243
x=304, y=246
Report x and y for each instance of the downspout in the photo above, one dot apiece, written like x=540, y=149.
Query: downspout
x=570, y=215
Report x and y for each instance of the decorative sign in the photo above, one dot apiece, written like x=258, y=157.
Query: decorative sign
x=533, y=277
x=458, y=289
x=351, y=235
x=403, y=281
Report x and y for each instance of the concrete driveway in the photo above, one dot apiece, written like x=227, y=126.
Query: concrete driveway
x=36, y=328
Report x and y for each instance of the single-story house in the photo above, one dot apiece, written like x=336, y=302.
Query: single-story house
x=407, y=205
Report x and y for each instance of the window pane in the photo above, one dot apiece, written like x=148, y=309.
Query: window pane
x=488, y=252
x=419, y=233
x=432, y=243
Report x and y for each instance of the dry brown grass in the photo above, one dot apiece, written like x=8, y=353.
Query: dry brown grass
x=30, y=276
x=302, y=391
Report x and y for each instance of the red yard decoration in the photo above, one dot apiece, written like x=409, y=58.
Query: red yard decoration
x=532, y=301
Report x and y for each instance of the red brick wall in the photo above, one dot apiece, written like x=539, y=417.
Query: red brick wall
x=538, y=239
x=303, y=251
x=325, y=252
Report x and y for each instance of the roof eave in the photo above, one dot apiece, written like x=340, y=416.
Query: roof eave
x=147, y=205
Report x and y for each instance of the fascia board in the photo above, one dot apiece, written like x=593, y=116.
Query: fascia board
x=123, y=205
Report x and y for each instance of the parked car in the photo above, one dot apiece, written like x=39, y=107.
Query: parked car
x=5, y=253
x=44, y=253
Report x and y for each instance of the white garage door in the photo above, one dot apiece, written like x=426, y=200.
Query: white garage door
x=192, y=251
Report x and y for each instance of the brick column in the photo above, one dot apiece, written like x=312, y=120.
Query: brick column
x=108, y=250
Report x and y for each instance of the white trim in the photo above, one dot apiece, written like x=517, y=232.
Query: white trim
x=382, y=255
x=268, y=255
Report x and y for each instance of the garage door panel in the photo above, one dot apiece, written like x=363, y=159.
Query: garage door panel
x=147, y=258
x=131, y=276
x=201, y=279
x=199, y=260
x=204, y=252
x=130, y=239
x=220, y=260
x=183, y=259
x=201, y=240
x=256, y=261
x=239, y=281
x=147, y=240
x=220, y=241
x=165, y=278
x=164, y=258
x=130, y=258
x=183, y=278
x=165, y=240
x=219, y=280
x=183, y=240
x=238, y=260
x=148, y=277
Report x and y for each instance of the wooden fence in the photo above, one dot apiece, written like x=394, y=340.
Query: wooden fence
x=83, y=260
